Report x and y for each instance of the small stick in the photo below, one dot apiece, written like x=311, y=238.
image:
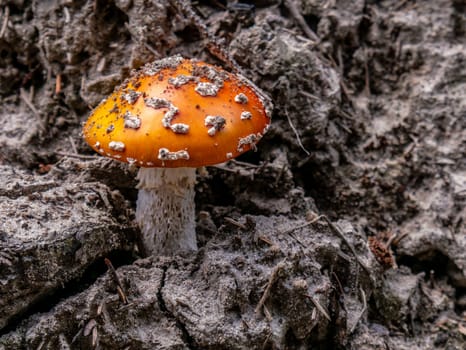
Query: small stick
x=292, y=235
x=344, y=127
x=364, y=308
x=245, y=164
x=115, y=278
x=367, y=88
x=5, y=21
x=266, y=240
x=28, y=102
x=346, y=115
x=296, y=133
x=152, y=49
x=291, y=230
x=345, y=90
x=340, y=287
x=72, y=155
x=319, y=307
x=31, y=93
x=302, y=23
x=76, y=336
x=314, y=314
x=267, y=313
x=344, y=256
x=397, y=239
x=73, y=145
x=388, y=244
x=235, y=223
x=266, y=341
x=308, y=94
x=400, y=5
x=272, y=279
x=340, y=234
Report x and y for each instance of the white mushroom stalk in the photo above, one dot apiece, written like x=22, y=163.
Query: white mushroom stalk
x=165, y=210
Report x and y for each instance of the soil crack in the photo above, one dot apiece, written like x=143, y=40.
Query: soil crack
x=187, y=338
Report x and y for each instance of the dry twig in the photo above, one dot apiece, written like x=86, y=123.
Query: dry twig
x=116, y=279
x=291, y=230
x=298, y=138
x=340, y=234
x=301, y=21
x=235, y=223
x=24, y=96
x=273, y=277
x=364, y=308
x=398, y=238
x=73, y=145
x=6, y=15
x=79, y=156
x=367, y=87
x=319, y=307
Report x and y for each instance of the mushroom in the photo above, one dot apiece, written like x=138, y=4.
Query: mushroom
x=169, y=118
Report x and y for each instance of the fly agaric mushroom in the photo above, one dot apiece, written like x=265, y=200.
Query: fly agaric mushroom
x=170, y=117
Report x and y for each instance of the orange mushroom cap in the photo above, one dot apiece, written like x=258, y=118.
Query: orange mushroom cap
x=179, y=112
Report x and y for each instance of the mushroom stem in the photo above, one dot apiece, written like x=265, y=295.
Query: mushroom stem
x=165, y=210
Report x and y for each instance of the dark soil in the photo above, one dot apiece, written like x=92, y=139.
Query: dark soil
x=345, y=230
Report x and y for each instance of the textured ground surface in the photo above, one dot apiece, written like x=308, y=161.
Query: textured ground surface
x=368, y=131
